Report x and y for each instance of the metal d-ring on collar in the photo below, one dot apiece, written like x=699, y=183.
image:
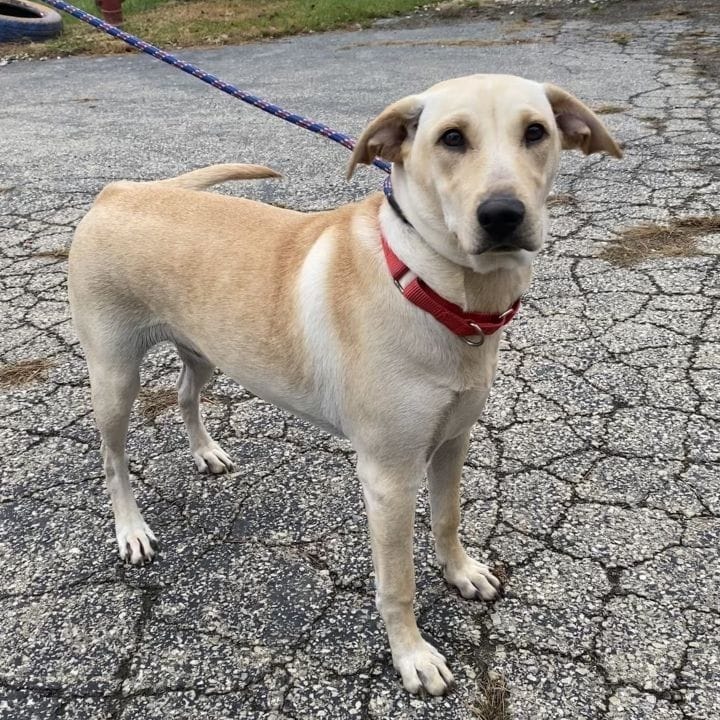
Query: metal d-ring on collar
x=474, y=343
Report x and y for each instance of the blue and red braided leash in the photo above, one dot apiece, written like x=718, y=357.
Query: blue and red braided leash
x=303, y=122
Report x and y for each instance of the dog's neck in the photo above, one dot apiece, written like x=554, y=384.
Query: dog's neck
x=492, y=292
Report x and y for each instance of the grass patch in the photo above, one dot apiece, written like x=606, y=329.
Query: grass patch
x=450, y=42
x=672, y=13
x=702, y=48
x=24, y=372
x=609, y=109
x=195, y=23
x=561, y=199
x=155, y=401
x=58, y=254
x=492, y=703
x=621, y=38
x=648, y=241
x=658, y=124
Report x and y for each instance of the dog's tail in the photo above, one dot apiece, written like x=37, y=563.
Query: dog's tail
x=213, y=174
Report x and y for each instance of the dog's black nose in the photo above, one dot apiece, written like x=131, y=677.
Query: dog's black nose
x=499, y=217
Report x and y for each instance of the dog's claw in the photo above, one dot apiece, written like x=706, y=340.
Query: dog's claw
x=137, y=543
x=424, y=671
x=473, y=579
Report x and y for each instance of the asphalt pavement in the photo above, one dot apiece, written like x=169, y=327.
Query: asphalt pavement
x=592, y=477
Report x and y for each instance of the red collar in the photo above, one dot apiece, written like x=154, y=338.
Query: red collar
x=453, y=317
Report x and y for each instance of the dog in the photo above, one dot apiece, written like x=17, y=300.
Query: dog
x=327, y=314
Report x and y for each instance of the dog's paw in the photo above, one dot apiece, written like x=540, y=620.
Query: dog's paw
x=473, y=579
x=137, y=543
x=212, y=458
x=423, y=669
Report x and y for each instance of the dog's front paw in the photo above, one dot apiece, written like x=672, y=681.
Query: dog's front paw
x=423, y=668
x=137, y=543
x=212, y=458
x=473, y=579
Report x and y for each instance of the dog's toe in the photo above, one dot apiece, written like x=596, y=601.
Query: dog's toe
x=212, y=458
x=473, y=579
x=424, y=670
x=138, y=544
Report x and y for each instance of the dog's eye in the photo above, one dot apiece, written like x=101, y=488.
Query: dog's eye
x=453, y=139
x=534, y=133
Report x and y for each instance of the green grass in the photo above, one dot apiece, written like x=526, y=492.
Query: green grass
x=202, y=23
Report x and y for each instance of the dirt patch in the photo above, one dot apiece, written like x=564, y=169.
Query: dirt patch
x=501, y=572
x=492, y=703
x=648, y=241
x=24, y=372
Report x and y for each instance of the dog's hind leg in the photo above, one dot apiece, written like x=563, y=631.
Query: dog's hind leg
x=115, y=381
x=197, y=372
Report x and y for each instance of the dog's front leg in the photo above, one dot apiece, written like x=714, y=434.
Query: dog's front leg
x=471, y=577
x=390, y=495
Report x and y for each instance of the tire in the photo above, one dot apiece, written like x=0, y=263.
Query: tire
x=25, y=20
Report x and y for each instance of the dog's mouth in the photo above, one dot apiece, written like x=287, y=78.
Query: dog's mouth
x=506, y=247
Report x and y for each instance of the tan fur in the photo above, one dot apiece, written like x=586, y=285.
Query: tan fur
x=300, y=308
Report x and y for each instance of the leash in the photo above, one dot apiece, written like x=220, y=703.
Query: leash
x=303, y=122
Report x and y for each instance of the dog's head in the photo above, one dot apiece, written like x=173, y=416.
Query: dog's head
x=474, y=160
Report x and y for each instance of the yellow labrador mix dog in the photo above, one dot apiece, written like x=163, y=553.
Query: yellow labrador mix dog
x=327, y=313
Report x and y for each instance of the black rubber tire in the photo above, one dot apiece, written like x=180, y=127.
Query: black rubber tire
x=25, y=20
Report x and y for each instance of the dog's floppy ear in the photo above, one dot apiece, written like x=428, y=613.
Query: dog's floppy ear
x=385, y=135
x=579, y=126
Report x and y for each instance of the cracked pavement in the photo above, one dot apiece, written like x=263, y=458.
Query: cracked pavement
x=592, y=475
